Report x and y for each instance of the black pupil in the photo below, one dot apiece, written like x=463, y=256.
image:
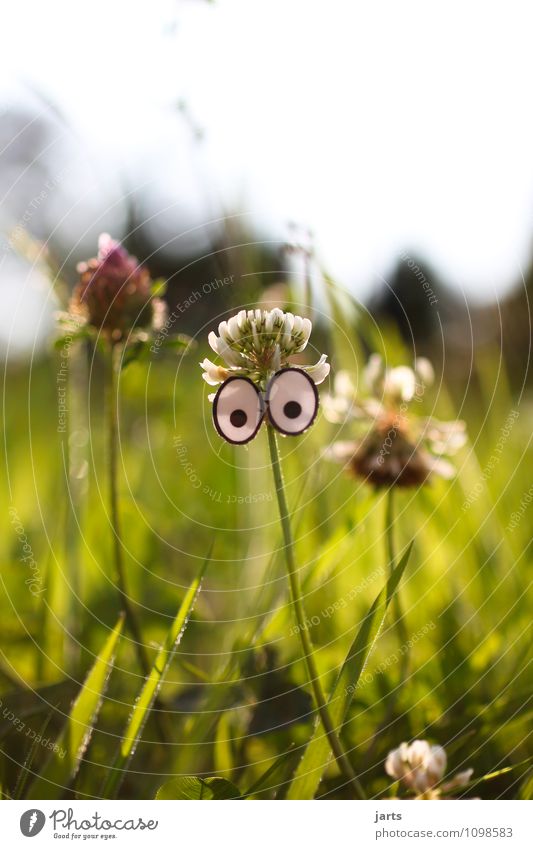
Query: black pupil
x=292, y=409
x=238, y=418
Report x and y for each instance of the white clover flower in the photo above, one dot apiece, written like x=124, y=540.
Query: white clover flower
x=399, y=384
x=394, y=385
x=257, y=344
x=213, y=374
x=420, y=767
x=394, y=446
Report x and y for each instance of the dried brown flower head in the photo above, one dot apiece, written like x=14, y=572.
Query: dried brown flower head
x=114, y=293
x=394, y=446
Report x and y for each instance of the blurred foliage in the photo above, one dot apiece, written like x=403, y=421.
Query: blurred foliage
x=235, y=697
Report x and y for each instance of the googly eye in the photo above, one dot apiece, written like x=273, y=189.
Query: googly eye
x=238, y=410
x=292, y=400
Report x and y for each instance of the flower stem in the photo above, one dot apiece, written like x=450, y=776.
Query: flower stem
x=120, y=575
x=160, y=718
x=297, y=604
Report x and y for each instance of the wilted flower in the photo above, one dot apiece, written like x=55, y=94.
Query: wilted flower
x=394, y=445
x=114, y=293
x=258, y=343
x=420, y=767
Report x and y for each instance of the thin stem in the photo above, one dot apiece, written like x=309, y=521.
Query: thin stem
x=297, y=604
x=120, y=575
x=308, y=283
x=389, y=530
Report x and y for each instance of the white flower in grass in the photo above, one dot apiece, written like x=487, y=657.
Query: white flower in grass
x=421, y=767
x=214, y=374
x=258, y=343
x=394, y=446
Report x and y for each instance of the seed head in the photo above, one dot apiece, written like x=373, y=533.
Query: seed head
x=394, y=446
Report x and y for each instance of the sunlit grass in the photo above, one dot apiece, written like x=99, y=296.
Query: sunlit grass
x=236, y=689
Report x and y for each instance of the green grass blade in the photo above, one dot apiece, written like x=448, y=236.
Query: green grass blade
x=31, y=704
x=458, y=791
x=271, y=783
x=223, y=755
x=151, y=687
x=526, y=787
x=74, y=738
x=26, y=768
x=317, y=754
x=191, y=787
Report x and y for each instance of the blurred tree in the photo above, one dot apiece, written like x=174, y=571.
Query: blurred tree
x=416, y=301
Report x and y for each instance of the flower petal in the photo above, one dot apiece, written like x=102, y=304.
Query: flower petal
x=374, y=372
x=213, y=374
x=399, y=384
x=458, y=780
x=424, y=371
x=340, y=452
x=319, y=371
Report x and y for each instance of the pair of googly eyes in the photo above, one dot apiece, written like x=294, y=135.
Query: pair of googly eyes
x=239, y=408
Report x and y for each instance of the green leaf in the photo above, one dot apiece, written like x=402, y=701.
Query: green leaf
x=318, y=754
x=151, y=687
x=136, y=351
x=68, y=337
x=74, y=738
x=191, y=787
x=139, y=348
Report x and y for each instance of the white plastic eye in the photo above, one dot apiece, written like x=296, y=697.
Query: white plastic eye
x=238, y=410
x=292, y=400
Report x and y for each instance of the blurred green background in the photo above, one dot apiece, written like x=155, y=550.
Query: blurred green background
x=213, y=142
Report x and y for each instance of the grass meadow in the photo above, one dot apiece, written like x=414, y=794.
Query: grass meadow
x=225, y=709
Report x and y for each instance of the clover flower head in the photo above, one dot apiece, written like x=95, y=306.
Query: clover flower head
x=420, y=767
x=399, y=384
x=114, y=293
x=258, y=343
x=394, y=446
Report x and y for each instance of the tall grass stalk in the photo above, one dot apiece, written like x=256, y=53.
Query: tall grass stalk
x=120, y=575
x=399, y=619
x=299, y=612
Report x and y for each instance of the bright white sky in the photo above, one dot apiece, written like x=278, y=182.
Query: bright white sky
x=383, y=126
